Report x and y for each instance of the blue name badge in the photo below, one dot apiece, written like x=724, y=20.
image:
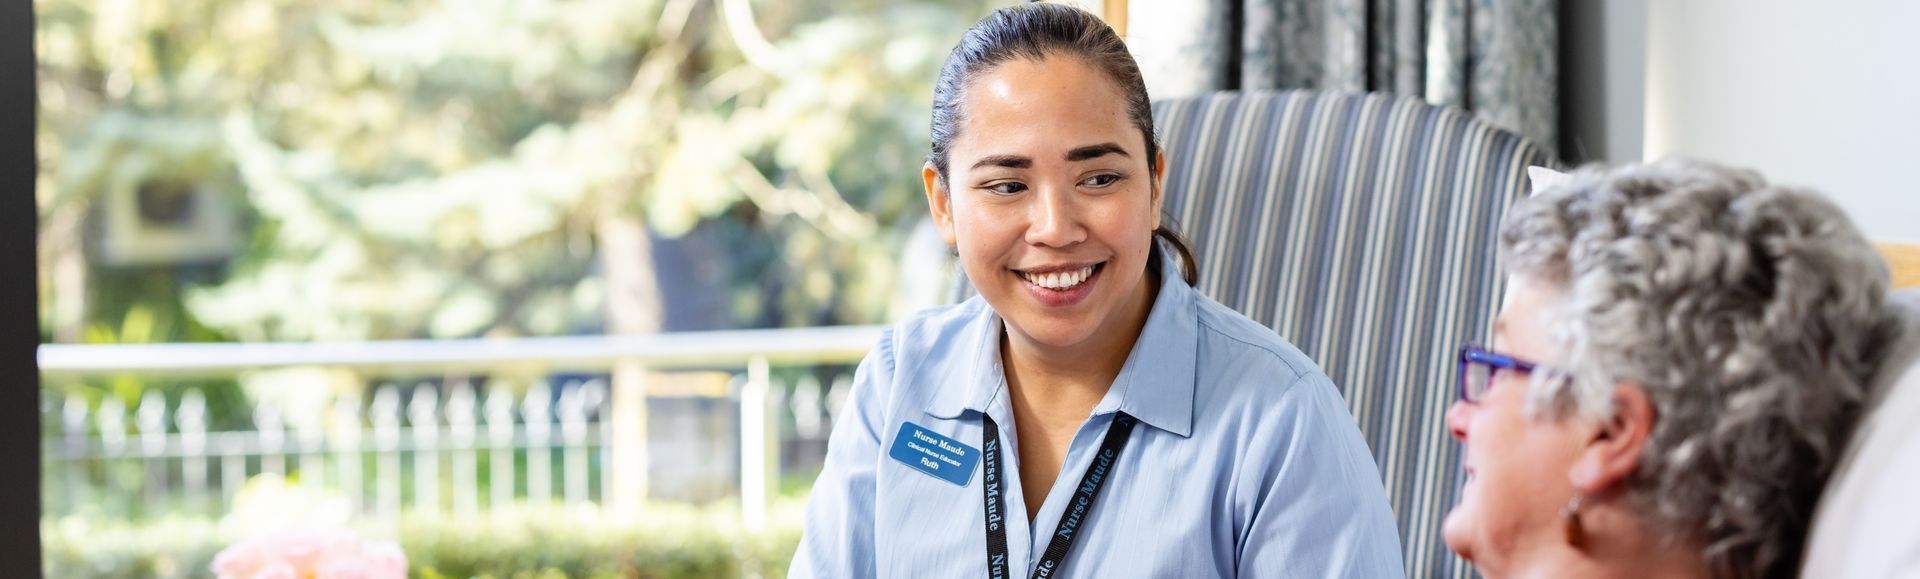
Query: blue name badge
x=930, y=452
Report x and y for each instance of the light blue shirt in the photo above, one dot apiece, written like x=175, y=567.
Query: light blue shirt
x=1245, y=462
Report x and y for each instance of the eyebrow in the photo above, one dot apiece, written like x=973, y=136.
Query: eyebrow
x=1008, y=161
x=1095, y=152
x=1078, y=154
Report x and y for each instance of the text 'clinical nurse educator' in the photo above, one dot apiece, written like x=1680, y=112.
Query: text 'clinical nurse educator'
x=1089, y=414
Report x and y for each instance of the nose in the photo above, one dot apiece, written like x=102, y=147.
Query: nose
x=1055, y=218
x=1458, y=417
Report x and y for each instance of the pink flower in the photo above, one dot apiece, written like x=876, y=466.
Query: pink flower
x=306, y=550
x=347, y=569
x=243, y=559
x=276, y=570
x=374, y=561
x=384, y=559
x=322, y=554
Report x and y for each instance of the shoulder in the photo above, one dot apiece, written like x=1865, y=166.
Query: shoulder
x=1253, y=382
x=1296, y=446
x=935, y=332
x=917, y=352
x=1232, y=342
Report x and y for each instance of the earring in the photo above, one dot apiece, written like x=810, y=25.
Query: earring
x=1576, y=533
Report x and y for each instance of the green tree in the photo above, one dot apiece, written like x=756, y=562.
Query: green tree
x=364, y=169
x=488, y=167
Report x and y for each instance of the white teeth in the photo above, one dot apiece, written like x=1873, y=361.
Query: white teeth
x=1060, y=280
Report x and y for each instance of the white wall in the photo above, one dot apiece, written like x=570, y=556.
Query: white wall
x=1819, y=93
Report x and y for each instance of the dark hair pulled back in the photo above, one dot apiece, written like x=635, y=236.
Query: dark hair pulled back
x=1034, y=32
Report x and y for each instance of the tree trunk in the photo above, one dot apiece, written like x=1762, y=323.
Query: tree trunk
x=64, y=273
x=633, y=308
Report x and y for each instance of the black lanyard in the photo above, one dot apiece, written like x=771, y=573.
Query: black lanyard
x=1071, y=522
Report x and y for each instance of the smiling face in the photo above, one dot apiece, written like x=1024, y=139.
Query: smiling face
x=1517, y=466
x=1049, y=200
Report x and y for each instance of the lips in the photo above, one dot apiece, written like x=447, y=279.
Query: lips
x=1061, y=285
x=1059, y=278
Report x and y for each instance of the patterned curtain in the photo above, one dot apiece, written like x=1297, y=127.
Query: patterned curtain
x=1496, y=58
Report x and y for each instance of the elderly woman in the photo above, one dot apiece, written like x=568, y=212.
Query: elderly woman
x=1679, y=359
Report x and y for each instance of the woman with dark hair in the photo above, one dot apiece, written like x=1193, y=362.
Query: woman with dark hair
x=1089, y=413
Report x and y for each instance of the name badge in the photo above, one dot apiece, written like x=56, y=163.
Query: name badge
x=930, y=452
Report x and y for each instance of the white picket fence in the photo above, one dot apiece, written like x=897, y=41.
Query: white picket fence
x=466, y=445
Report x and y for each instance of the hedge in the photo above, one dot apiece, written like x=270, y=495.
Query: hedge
x=661, y=542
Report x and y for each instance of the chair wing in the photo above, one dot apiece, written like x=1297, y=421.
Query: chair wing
x=1362, y=228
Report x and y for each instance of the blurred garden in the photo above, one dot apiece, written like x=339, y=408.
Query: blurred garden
x=344, y=171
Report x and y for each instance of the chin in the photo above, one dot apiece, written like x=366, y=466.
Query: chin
x=1491, y=553
x=1457, y=531
x=1057, y=333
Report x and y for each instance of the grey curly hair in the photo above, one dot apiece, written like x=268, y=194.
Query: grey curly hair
x=1752, y=315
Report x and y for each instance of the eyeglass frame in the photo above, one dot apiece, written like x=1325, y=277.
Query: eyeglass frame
x=1472, y=354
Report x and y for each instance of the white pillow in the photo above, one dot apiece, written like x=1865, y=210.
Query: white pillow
x=1865, y=526
x=1544, y=178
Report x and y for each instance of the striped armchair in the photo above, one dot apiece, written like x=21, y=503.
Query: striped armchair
x=1361, y=227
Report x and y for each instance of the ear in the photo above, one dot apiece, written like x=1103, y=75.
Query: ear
x=1612, y=450
x=1159, y=184
x=939, y=203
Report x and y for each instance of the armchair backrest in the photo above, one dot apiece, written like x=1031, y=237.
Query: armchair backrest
x=1362, y=228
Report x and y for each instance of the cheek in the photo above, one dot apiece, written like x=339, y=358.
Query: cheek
x=1514, y=498
x=983, y=241
x=1510, y=449
x=978, y=229
x=1126, y=225
x=1524, y=476
x=1504, y=458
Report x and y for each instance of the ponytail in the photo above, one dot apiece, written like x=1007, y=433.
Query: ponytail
x=1188, y=270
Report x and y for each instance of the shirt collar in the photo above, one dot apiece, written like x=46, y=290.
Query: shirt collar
x=1155, y=385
